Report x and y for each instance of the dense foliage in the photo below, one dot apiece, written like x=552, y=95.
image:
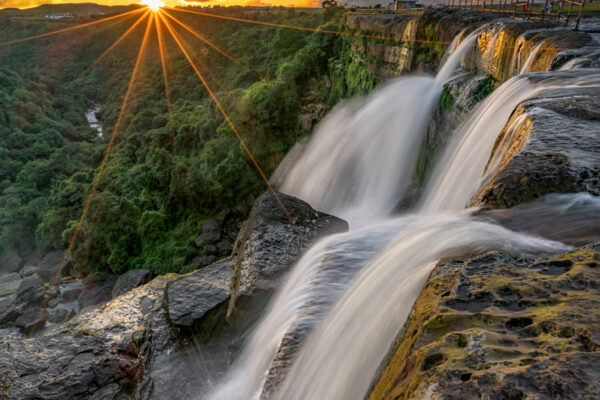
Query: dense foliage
x=164, y=176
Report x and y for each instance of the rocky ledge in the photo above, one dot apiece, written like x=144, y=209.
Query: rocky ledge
x=109, y=352
x=500, y=327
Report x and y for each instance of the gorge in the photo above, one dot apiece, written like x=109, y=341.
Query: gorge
x=443, y=243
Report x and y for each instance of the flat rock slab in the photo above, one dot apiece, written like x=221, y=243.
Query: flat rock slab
x=557, y=151
x=191, y=297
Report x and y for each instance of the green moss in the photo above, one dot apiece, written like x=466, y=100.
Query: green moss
x=446, y=100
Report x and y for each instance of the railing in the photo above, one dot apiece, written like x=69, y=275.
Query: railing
x=383, y=10
x=527, y=9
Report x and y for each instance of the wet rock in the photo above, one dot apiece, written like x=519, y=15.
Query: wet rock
x=130, y=280
x=97, y=290
x=538, y=338
x=101, y=354
x=190, y=298
x=556, y=151
x=259, y=268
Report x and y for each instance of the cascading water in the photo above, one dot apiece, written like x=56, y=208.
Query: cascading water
x=336, y=173
x=359, y=160
x=531, y=57
x=356, y=166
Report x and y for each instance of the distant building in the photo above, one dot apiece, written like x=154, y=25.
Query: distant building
x=404, y=4
x=58, y=16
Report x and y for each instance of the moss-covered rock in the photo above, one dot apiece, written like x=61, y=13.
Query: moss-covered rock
x=502, y=328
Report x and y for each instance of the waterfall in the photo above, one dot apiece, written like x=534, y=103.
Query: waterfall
x=531, y=57
x=346, y=299
x=341, y=356
x=361, y=156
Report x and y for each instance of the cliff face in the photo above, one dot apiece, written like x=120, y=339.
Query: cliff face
x=497, y=326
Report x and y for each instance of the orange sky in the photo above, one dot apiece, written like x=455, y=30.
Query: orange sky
x=172, y=3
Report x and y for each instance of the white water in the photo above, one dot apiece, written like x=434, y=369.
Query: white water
x=341, y=356
x=531, y=57
x=360, y=158
x=336, y=173
x=357, y=165
x=93, y=122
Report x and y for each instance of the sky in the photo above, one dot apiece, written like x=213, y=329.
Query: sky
x=172, y=3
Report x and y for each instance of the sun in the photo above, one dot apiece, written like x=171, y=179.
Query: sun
x=153, y=4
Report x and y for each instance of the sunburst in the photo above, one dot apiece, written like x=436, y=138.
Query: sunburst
x=158, y=20
x=154, y=5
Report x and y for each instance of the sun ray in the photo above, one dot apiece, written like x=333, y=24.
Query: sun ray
x=209, y=43
x=115, y=44
x=163, y=62
x=71, y=28
x=227, y=119
x=307, y=29
x=111, y=142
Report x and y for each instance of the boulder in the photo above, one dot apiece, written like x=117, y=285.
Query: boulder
x=225, y=247
x=555, y=151
x=130, y=280
x=49, y=269
x=12, y=277
x=28, y=269
x=102, y=354
x=210, y=249
x=210, y=225
x=97, y=290
x=206, y=238
x=270, y=243
x=10, y=263
x=199, y=262
x=190, y=298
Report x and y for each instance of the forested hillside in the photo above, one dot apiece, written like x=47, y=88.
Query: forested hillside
x=164, y=177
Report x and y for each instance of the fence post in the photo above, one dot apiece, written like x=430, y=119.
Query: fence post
x=579, y=15
x=569, y=13
x=560, y=6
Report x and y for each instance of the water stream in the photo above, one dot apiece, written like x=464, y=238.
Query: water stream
x=346, y=299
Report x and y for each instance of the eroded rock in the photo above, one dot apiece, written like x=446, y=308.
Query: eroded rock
x=501, y=327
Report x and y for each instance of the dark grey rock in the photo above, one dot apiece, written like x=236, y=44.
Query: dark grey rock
x=210, y=225
x=96, y=291
x=10, y=263
x=191, y=297
x=200, y=262
x=28, y=269
x=32, y=320
x=271, y=243
x=130, y=280
x=225, y=247
x=11, y=277
x=49, y=269
x=101, y=354
x=211, y=237
x=29, y=289
x=70, y=294
x=210, y=249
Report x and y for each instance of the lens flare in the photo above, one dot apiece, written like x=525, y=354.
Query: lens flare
x=153, y=4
